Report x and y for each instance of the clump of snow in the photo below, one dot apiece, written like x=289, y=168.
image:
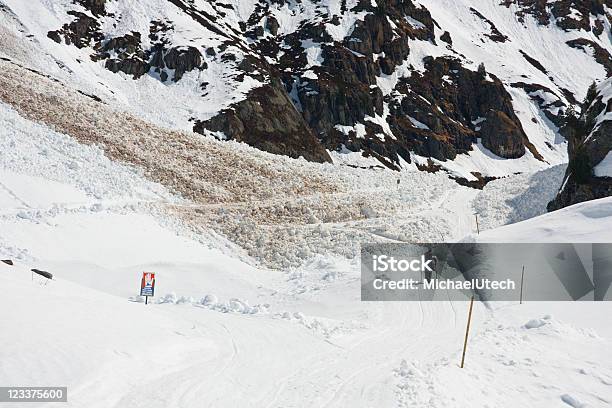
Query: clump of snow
x=535, y=323
x=327, y=328
x=571, y=401
x=234, y=305
x=211, y=302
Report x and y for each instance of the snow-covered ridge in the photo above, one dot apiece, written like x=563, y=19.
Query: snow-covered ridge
x=604, y=93
x=588, y=222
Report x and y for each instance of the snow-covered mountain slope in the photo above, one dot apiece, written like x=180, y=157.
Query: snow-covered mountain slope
x=96, y=197
x=590, y=221
x=282, y=211
x=111, y=352
x=257, y=290
x=517, y=198
x=399, y=81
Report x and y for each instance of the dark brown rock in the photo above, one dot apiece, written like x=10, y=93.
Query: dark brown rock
x=45, y=274
x=82, y=32
x=268, y=120
x=446, y=37
x=128, y=43
x=182, y=59
x=272, y=25
x=131, y=66
x=449, y=99
x=97, y=7
x=259, y=31
x=566, y=14
x=502, y=136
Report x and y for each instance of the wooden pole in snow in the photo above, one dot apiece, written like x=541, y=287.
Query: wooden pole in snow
x=477, y=226
x=522, y=276
x=467, y=331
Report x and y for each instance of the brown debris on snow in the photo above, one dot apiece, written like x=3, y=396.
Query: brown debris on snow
x=282, y=211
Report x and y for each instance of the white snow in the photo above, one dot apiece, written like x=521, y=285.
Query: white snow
x=418, y=124
x=604, y=167
x=313, y=53
x=518, y=197
x=518, y=356
x=590, y=221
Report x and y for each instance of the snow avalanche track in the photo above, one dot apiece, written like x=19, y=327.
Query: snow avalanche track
x=225, y=330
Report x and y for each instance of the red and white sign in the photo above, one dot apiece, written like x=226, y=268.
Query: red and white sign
x=147, y=284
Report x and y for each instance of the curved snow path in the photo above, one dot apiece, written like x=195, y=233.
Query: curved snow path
x=263, y=362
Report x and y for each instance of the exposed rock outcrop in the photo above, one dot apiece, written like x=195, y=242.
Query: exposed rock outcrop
x=454, y=106
x=502, y=135
x=360, y=77
x=590, y=141
x=268, y=120
x=182, y=59
x=549, y=102
x=566, y=14
x=272, y=25
x=128, y=57
x=83, y=31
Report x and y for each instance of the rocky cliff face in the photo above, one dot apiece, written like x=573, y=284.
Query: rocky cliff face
x=589, y=173
x=394, y=80
x=268, y=120
x=566, y=14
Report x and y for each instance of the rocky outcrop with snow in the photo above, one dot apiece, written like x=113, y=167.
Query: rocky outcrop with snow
x=402, y=81
x=589, y=173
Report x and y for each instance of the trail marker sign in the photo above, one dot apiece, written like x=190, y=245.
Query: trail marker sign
x=147, y=285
